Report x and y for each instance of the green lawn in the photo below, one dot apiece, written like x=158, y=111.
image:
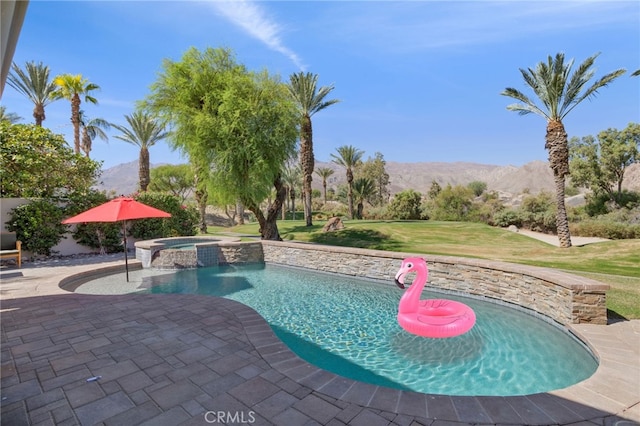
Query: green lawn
x=616, y=263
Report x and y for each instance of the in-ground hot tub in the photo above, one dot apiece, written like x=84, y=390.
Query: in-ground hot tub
x=181, y=252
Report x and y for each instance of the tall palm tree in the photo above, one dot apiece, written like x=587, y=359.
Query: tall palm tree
x=11, y=117
x=560, y=92
x=309, y=99
x=144, y=131
x=33, y=82
x=72, y=87
x=324, y=173
x=92, y=128
x=363, y=189
x=348, y=157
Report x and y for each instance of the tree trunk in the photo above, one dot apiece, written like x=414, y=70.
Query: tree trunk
x=307, y=164
x=240, y=211
x=143, y=169
x=324, y=191
x=38, y=114
x=350, y=193
x=86, y=142
x=75, y=120
x=269, y=224
x=557, y=145
x=201, y=201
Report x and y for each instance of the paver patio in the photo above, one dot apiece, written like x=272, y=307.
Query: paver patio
x=195, y=360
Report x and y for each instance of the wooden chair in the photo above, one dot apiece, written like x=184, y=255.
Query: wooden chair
x=10, y=247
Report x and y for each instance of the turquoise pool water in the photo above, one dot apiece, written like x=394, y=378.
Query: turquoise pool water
x=348, y=326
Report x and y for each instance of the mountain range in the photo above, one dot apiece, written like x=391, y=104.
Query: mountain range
x=532, y=177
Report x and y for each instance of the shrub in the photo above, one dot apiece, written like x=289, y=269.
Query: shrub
x=538, y=212
x=487, y=208
x=405, y=205
x=599, y=204
x=183, y=220
x=452, y=203
x=506, y=218
x=605, y=229
x=38, y=225
x=377, y=213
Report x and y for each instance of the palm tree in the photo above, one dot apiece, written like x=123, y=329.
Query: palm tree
x=559, y=93
x=71, y=87
x=143, y=131
x=324, y=173
x=291, y=180
x=363, y=189
x=33, y=82
x=348, y=157
x=92, y=128
x=309, y=100
x=11, y=117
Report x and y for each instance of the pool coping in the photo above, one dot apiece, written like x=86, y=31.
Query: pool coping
x=611, y=393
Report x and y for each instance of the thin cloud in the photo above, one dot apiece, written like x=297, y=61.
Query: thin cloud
x=431, y=25
x=253, y=19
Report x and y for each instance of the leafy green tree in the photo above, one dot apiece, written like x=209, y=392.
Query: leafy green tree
x=37, y=163
x=348, y=157
x=241, y=123
x=375, y=169
x=175, y=179
x=92, y=128
x=144, y=131
x=477, y=187
x=72, y=88
x=324, y=173
x=600, y=164
x=33, y=82
x=38, y=225
x=560, y=92
x=405, y=205
x=363, y=189
x=309, y=100
x=10, y=117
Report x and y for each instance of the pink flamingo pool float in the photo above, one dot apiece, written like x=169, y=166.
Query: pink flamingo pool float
x=435, y=318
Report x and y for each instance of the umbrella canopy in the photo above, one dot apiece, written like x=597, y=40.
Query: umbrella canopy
x=121, y=208
x=118, y=209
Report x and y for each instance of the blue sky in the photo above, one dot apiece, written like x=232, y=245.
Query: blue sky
x=418, y=80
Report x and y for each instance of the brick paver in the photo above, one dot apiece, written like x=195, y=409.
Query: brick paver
x=175, y=359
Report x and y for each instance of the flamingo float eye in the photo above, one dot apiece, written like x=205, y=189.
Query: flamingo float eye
x=409, y=265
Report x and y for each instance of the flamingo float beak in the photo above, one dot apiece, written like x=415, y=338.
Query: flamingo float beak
x=400, y=278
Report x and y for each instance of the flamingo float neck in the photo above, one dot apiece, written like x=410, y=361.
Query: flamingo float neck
x=410, y=300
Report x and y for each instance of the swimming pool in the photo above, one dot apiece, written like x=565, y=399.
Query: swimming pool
x=348, y=326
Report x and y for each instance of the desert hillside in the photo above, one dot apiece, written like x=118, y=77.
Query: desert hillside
x=533, y=177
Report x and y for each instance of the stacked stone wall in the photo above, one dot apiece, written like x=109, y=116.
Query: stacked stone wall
x=565, y=298
x=246, y=252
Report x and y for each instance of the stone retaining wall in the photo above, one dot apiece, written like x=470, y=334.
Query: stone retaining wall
x=565, y=298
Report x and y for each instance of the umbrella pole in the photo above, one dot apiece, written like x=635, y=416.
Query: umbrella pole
x=124, y=233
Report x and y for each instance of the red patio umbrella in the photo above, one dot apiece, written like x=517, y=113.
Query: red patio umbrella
x=118, y=209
